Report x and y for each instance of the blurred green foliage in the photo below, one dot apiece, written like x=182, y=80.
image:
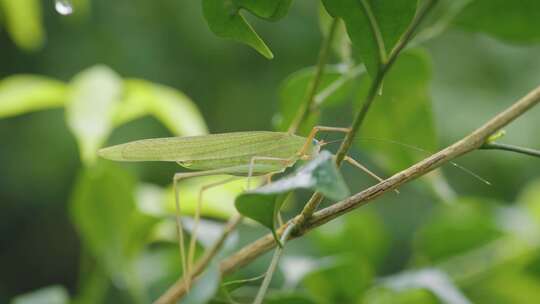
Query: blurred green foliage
x=77, y=229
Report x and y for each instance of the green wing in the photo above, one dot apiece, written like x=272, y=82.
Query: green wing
x=240, y=146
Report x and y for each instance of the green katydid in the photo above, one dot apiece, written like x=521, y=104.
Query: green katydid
x=253, y=153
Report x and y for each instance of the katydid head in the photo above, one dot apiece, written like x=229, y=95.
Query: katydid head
x=313, y=149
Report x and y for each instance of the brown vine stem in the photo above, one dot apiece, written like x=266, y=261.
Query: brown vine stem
x=467, y=144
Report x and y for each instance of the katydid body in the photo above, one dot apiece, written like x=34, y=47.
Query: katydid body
x=238, y=153
x=229, y=153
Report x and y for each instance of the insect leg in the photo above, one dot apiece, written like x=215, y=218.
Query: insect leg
x=180, y=231
x=314, y=132
x=358, y=165
x=285, y=161
x=192, y=243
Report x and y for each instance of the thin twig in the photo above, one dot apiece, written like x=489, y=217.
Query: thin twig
x=314, y=84
x=511, y=148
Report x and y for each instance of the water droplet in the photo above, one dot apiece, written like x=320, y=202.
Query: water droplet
x=185, y=164
x=63, y=7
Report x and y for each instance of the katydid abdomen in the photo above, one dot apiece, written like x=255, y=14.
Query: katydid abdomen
x=233, y=151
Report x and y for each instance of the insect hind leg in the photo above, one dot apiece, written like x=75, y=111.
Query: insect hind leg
x=194, y=231
x=254, y=159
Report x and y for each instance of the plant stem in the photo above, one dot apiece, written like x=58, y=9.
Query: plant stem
x=314, y=84
x=511, y=148
x=273, y=265
x=316, y=199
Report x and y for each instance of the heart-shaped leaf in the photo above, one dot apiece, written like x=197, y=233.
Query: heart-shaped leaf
x=225, y=20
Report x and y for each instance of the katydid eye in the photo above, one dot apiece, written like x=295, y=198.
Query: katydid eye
x=315, y=142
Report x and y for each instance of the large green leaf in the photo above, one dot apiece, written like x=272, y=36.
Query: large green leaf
x=226, y=20
x=24, y=22
x=454, y=229
x=46, y=295
x=95, y=94
x=402, y=113
x=320, y=174
x=171, y=107
x=514, y=21
x=391, y=17
x=21, y=94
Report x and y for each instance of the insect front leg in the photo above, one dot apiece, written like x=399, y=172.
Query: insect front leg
x=314, y=132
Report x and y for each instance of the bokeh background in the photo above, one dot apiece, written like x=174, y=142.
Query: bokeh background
x=472, y=74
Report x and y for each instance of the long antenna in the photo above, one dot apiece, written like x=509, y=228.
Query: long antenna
x=390, y=141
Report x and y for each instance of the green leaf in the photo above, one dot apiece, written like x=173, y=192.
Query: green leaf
x=455, y=228
x=93, y=99
x=382, y=295
x=24, y=22
x=392, y=19
x=521, y=19
x=21, y=94
x=433, y=280
x=103, y=210
x=335, y=87
x=320, y=174
x=225, y=19
x=287, y=297
x=371, y=240
x=529, y=199
x=345, y=282
x=509, y=286
x=171, y=107
x=46, y=295
x=403, y=114
x=341, y=44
